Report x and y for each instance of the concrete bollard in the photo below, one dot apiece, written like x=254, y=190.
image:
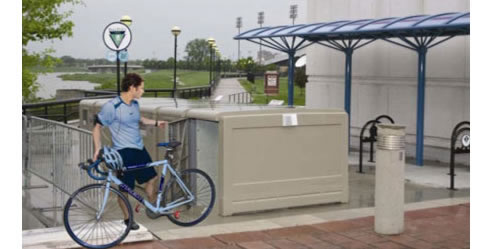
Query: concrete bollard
x=390, y=169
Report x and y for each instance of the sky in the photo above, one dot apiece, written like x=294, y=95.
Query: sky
x=154, y=19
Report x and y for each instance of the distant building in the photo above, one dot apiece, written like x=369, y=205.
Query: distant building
x=112, y=68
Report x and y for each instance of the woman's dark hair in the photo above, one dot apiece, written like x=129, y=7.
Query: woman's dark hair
x=131, y=79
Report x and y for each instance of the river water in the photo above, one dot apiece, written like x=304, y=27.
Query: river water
x=49, y=83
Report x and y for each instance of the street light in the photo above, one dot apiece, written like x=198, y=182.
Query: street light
x=211, y=42
x=214, y=50
x=217, y=70
x=175, y=31
x=127, y=20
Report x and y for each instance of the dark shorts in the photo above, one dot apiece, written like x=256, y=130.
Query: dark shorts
x=131, y=157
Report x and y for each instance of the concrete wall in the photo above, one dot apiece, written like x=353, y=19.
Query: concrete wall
x=384, y=76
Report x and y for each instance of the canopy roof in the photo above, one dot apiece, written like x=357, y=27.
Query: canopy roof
x=445, y=24
x=418, y=33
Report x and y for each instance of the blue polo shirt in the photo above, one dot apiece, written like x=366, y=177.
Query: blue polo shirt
x=123, y=122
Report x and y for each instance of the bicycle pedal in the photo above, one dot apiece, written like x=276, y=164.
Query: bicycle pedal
x=137, y=208
x=176, y=214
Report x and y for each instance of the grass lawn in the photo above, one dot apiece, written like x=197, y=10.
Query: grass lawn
x=157, y=79
x=257, y=91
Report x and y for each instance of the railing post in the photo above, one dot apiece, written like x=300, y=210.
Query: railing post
x=65, y=113
x=25, y=144
x=53, y=173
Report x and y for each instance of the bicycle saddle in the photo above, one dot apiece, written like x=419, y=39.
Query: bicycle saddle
x=172, y=144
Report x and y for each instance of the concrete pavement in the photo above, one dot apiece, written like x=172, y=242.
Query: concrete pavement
x=438, y=227
x=226, y=87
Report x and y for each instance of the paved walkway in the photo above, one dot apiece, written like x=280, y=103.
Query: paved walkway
x=226, y=87
x=441, y=227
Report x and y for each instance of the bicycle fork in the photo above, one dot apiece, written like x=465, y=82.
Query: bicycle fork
x=105, y=200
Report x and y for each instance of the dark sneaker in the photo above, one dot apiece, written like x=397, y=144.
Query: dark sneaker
x=134, y=225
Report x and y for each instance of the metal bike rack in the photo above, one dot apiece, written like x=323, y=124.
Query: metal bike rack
x=459, y=129
x=373, y=133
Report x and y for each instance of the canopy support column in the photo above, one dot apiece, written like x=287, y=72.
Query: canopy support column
x=290, y=97
x=422, y=51
x=348, y=78
x=348, y=85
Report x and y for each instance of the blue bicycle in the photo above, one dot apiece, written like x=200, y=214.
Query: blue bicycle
x=93, y=216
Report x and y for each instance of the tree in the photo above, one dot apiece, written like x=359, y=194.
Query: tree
x=300, y=78
x=198, y=53
x=68, y=61
x=246, y=65
x=41, y=21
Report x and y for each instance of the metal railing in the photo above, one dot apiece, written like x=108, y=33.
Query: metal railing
x=60, y=110
x=52, y=152
x=232, y=75
x=65, y=110
x=240, y=98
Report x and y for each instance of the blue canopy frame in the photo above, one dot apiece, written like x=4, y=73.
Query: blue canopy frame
x=418, y=33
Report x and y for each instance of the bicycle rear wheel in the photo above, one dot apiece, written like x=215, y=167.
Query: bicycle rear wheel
x=202, y=188
x=80, y=217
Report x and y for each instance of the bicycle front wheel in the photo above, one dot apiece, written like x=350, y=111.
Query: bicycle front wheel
x=203, y=190
x=83, y=225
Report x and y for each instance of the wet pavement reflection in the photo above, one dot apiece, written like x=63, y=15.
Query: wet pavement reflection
x=361, y=188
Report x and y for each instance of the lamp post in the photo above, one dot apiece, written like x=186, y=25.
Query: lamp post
x=211, y=41
x=217, y=70
x=175, y=31
x=214, y=50
x=127, y=20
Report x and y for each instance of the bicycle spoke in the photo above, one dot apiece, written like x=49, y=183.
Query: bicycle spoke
x=201, y=188
x=81, y=220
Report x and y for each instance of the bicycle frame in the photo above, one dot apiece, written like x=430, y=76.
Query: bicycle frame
x=156, y=209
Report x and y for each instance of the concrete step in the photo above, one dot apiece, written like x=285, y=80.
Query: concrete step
x=57, y=237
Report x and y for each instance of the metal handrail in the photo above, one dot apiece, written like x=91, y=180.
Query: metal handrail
x=52, y=152
x=242, y=97
x=186, y=92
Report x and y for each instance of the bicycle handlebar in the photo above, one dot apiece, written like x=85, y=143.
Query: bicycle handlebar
x=93, y=165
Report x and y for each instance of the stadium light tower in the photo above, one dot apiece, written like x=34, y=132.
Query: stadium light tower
x=293, y=12
x=239, y=24
x=261, y=20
